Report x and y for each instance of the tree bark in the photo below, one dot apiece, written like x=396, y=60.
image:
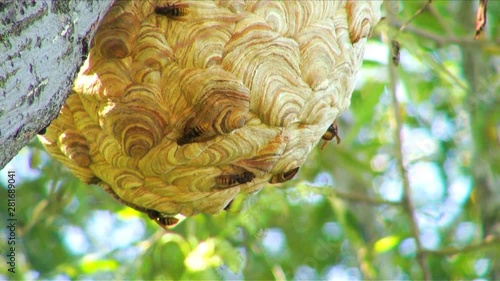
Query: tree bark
x=42, y=46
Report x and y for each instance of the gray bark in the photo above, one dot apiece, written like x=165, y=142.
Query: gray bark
x=42, y=46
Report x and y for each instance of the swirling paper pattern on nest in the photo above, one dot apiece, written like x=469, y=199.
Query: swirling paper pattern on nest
x=182, y=105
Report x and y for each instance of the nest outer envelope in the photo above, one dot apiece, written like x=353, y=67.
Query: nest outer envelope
x=182, y=111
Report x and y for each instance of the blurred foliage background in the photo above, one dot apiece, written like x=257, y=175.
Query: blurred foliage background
x=411, y=192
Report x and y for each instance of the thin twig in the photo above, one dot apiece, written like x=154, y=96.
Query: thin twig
x=417, y=13
x=435, y=63
x=441, y=39
x=330, y=192
x=487, y=244
x=407, y=201
x=362, y=198
x=439, y=18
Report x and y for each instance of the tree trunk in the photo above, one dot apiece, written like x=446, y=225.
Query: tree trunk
x=42, y=46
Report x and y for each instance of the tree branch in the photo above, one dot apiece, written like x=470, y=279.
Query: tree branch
x=441, y=39
x=417, y=13
x=490, y=243
x=407, y=200
x=330, y=192
x=42, y=46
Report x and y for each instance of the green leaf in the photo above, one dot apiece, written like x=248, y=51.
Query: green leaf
x=386, y=244
x=90, y=265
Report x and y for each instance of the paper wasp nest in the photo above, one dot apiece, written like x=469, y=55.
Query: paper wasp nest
x=182, y=105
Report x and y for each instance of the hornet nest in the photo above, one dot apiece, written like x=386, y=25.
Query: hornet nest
x=183, y=105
